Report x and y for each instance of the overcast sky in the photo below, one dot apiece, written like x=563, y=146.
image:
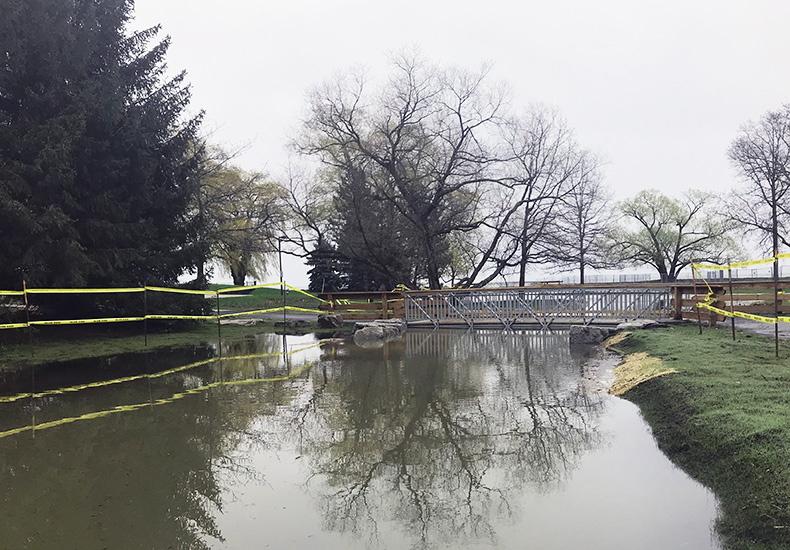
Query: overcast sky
x=659, y=88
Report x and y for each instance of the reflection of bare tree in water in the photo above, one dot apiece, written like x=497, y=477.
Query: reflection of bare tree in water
x=438, y=442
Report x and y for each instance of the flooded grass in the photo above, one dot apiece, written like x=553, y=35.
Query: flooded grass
x=724, y=417
x=86, y=342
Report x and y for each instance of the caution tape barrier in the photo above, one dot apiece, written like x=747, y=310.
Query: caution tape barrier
x=87, y=321
x=83, y=290
x=24, y=293
x=710, y=298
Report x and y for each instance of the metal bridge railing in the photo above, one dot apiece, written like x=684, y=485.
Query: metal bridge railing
x=509, y=307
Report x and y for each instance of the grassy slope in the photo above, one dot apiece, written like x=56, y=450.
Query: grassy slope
x=264, y=298
x=725, y=419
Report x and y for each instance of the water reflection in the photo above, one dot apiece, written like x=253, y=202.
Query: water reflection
x=138, y=464
x=436, y=433
x=432, y=441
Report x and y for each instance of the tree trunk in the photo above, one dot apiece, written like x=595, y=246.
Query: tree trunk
x=239, y=275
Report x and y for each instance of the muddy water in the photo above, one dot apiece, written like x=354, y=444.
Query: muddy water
x=442, y=440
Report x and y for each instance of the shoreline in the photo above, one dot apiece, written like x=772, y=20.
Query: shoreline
x=720, y=410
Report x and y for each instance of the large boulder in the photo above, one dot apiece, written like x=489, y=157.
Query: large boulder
x=374, y=333
x=588, y=335
x=369, y=337
x=330, y=320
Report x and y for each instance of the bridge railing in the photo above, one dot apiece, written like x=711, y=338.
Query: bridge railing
x=558, y=303
x=544, y=305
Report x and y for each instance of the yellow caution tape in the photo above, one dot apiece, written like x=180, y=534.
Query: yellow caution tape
x=103, y=383
x=271, y=310
x=715, y=310
x=178, y=290
x=306, y=293
x=163, y=401
x=783, y=256
x=250, y=287
x=83, y=290
x=710, y=267
x=88, y=321
x=709, y=299
x=11, y=293
x=269, y=285
x=759, y=318
x=255, y=312
x=753, y=262
x=185, y=317
x=738, y=264
x=14, y=325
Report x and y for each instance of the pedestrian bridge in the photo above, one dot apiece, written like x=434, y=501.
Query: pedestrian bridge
x=544, y=306
x=556, y=304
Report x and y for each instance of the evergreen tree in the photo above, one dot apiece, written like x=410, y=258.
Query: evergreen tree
x=328, y=270
x=96, y=177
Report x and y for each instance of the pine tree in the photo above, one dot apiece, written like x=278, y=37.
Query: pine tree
x=96, y=177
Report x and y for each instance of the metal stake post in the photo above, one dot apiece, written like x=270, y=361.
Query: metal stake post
x=219, y=328
x=732, y=302
x=27, y=317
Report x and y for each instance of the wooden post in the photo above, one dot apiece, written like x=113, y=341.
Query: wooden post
x=384, y=307
x=678, y=313
x=694, y=279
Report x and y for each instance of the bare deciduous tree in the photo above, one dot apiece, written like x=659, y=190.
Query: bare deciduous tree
x=761, y=154
x=435, y=166
x=418, y=147
x=582, y=223
x=539, y=164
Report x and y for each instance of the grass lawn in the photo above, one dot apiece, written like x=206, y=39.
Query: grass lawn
x=263, y=298
x=724, y=417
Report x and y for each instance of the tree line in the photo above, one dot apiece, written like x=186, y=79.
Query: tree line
x=427, y=178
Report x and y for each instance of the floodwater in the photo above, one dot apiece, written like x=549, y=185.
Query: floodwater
x=446, y=439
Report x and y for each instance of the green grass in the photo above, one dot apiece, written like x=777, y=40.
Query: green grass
x=264, y=298
x=725, y=419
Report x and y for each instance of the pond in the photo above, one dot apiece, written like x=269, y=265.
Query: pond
x=445, y=439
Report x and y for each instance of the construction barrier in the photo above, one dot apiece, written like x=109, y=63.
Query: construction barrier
x=707, y=304
x=206, y=293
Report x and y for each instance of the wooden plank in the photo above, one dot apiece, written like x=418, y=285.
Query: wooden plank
x=761, y=296
x=366, y=307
